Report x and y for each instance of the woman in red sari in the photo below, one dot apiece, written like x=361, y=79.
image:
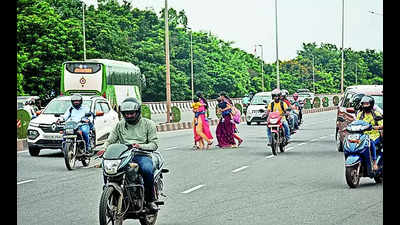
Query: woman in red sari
x=201, y=128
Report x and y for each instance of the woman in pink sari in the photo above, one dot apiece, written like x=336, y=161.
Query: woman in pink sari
x=201, y=128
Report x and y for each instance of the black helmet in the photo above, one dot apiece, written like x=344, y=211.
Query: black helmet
x=356, y=101
x=367, y=99
x=76, y=101
x=133, y=107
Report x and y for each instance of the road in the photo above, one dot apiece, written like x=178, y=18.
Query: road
x=248, y=185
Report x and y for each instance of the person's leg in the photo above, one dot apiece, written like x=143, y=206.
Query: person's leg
x=296, y=121
x=199, y=130
x=373, y=154
x=85, y=133
x=146, y=170
x=269, y=136
x=287, y=131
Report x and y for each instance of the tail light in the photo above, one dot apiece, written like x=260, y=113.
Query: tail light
x=104, y=95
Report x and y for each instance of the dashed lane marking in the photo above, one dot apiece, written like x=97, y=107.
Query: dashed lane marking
x=239, y=169
x=193, y=189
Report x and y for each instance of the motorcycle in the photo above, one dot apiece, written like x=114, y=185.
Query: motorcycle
x=358, y=155
x=123, y=193
x=274, y=122
x=74, y=147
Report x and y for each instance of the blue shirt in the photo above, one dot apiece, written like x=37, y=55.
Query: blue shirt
x=75, y=114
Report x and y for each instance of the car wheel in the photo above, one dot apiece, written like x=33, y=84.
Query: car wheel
x=34, y=151
x=248, y=123
x=339, y=145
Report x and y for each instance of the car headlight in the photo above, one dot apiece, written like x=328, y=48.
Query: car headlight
x=32, y=134
x=69, y=131
x=111, y=166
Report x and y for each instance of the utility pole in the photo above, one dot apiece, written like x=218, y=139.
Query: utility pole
x=84, y=37
x=341, y=82
x=276, y=35
x=262, y=67
x=191, y=62
x=167, y=77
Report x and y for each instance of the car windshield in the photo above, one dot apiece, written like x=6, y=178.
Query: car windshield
x=60, y=106
x=304, y=95
x=258, y=100
x=378, y=100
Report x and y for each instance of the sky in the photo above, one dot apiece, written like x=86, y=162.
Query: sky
x=251, y=22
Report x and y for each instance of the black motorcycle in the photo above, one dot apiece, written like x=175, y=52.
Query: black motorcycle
x=74, y=147
x=123, y=193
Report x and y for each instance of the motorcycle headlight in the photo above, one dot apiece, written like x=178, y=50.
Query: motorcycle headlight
x=111, y=166
x=273, y=121
x=69, y=131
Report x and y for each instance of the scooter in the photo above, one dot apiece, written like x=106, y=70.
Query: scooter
x=358, y=155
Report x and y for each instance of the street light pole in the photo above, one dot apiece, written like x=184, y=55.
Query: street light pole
x=191, y=62
x=276, y=35
x=167, y=77
x=341, y=82
x=313, y=77
x=84, y=37
x=262, y=67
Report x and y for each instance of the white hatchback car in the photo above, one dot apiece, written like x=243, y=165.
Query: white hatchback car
x=43, y=132
x=253, y=113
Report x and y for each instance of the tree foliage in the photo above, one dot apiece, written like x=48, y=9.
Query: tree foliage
x=50, y=32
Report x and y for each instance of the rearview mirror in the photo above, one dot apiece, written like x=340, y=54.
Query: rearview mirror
x=38, y=112
x=265, y=101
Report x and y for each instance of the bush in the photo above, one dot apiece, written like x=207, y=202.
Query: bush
x=335, y=100
x=176, y=114
x=325, y=102
x=146, y=113
x=25, y=118
x=307, y=104
x=316, y=102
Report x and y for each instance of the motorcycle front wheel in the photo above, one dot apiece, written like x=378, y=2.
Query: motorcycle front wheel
x=353, y=176
x=109, y=207
x=69, y=155
x=274, y=144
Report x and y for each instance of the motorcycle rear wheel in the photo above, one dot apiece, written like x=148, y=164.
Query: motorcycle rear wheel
x=352, y=176
x=109, y=198
x=149, y=219
x=69, y=155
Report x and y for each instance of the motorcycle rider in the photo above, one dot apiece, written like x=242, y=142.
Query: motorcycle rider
x=369, y=115
x=292, y=117
x=356, y=102
x=75, y=113
x=141, y=133
x=278, y=106
x=297, y=104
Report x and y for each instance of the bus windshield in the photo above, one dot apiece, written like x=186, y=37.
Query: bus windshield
x=61, y=106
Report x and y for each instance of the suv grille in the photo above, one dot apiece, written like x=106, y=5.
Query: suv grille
x=47, y=128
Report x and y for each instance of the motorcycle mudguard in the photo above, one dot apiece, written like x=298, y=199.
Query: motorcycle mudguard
x=352, y=160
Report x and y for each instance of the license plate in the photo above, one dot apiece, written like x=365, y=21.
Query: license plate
x=70, y=136
x=52, y=136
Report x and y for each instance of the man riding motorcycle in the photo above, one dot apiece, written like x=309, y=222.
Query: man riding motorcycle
x=278, y=106
x=75, y=113
x=369, y=115
x=298, y=106
x=292, y=117
x=141, y=133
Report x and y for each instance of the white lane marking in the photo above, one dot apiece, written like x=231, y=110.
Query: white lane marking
x=171, y=148
x=302, y=143
x=24, y=182
x=239, y=169
x=22, y=151
x=322, y=137
x=315, y=139
x=290, y=148
x=193, y=189
x=270, y=156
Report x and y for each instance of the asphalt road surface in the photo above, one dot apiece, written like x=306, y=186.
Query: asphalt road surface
x=248, y=185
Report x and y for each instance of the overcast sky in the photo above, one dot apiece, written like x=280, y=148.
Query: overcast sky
x=250, y=22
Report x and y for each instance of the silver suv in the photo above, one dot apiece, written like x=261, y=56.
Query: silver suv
x=43, y=132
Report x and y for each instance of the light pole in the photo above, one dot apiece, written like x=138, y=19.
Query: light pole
x=313, y=77
x=276, y=35
x=167, y=77
x=84, y=37
x=341, y=82
x=262, y=66
x=191, y=61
